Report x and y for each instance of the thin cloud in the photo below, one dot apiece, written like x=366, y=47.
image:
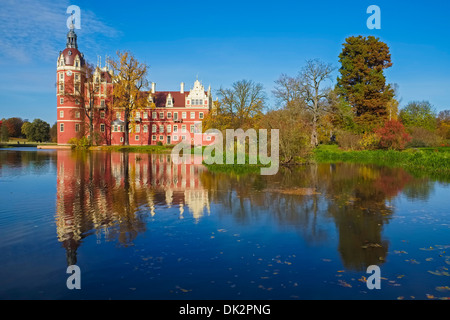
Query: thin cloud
x=37, y=29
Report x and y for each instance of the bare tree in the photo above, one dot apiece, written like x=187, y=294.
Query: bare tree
x=243, y=103
x=312, y=77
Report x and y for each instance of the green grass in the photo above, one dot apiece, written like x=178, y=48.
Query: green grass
x=424, y=160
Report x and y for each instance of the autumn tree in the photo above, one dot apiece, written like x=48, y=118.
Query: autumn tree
x=443, y=124
x=362, y=82
x=241, y=105
x=306, y=93
x=129, y=79
x=14, y=126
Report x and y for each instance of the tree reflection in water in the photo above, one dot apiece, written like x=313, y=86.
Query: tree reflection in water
x=112, y=195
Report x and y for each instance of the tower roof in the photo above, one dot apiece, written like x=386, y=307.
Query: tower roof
x=71, y=51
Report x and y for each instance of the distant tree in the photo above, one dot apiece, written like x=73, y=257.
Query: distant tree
x=418, y=114
x=443, y=124
x=129, y=79
x=14, y=126
x=54, y=132
x=26, y=129
x=4, y=134
x=362, y=82
x=242, y=104
x=38, y=130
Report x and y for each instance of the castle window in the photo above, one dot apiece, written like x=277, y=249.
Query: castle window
x=153, y=115
x=61, y=127
x=115, y=128
x=61, y=114
x=61, y=100
x=145, y=115
x=154, y=138
x=169, y=128
x=161, y=138
x=138, y=128
x=169, y=115
x=118, y=115
x=200, y=115
x=154, y=128
x=192, y=128
x=175, y=128
x=77, y=114
x=102, y=103
x=175, y=138
x=136, y=137
x=192, y=115
x=183, y=115
x=77, y=101
x=102, y=128
x=145, y=128
x=161, y=129
x=183, y=128
x=61, y=76
x=161, y=115
x=102, y=114
x=77, y=127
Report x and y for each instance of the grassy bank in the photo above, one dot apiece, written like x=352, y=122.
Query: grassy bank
x=425, y=160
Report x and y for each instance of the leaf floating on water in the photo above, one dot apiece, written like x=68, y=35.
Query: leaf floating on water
x=363, y=279
x=400, y=298
x=430, y=296
x=182, y=290
x=222, y=230
x=344, y=284
x=326, y=260
x=443, y=289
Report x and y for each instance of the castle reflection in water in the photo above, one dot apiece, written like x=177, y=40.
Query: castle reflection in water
x=111, y=194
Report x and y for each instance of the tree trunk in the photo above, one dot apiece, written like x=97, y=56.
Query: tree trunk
x=126, y=116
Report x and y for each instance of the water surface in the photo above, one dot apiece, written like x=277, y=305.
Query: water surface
x=140, y=227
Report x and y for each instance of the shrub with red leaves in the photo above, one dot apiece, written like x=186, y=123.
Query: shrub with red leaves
x=393, y=135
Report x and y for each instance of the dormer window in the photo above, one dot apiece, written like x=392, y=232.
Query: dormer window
x=169, y=101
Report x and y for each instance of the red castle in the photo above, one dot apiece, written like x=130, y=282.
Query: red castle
x=170, y=117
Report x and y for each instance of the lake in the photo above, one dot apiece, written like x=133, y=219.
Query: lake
x=140, y=227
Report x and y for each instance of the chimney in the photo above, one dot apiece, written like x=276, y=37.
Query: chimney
x=182, y=88
x=153, y=87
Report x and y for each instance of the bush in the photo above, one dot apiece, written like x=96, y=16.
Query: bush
x=369, y=141
x=159, y=143
x=393, y=135
x=81, y=143
x=348, y=140
x=421, y=137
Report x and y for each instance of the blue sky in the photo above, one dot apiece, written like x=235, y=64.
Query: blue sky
x=218, y=41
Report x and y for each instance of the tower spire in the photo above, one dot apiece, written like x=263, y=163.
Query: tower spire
x=72, y=37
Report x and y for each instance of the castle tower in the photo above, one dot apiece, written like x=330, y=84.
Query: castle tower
x=70, y=79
